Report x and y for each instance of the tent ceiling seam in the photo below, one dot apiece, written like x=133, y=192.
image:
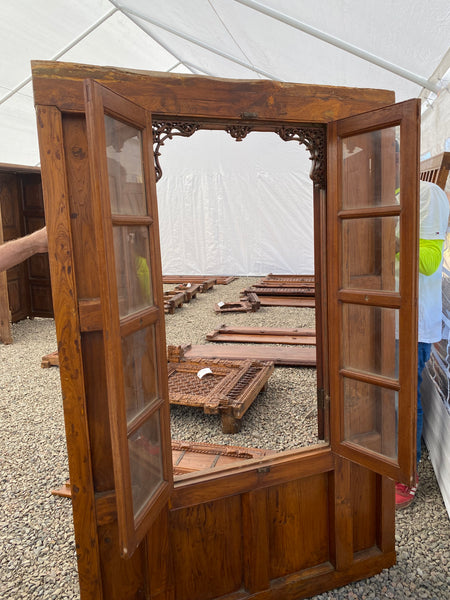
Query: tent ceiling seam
x=329, y=39
x=167, y=48
x=229, y=32
x=195, y=41
x=58, y=55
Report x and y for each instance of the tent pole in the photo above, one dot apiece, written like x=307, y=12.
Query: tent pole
x=376, y=60
x=63, y=51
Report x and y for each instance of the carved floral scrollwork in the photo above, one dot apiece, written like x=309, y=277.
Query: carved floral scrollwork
x=314, y=140
x=163, y=130
x=238, y=132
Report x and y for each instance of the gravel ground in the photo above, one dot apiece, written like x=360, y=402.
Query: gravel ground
x=37, y=552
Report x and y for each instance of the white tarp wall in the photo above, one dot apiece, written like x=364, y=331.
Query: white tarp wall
x=235, y=208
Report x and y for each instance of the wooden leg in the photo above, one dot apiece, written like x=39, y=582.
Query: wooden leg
x=230, y=424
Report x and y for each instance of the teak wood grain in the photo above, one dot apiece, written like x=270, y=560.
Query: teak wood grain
x=284, y=526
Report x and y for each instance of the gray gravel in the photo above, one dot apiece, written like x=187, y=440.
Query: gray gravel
x=37, y=551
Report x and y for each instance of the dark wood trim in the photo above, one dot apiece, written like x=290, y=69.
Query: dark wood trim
x=55, y=192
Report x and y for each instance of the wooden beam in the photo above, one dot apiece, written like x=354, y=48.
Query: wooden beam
x=294, y=357
x=61, y=84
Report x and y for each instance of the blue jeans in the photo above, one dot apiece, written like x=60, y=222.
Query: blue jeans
x=424, y=351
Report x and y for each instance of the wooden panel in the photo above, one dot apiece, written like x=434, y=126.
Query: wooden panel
x=18, y=293
x=263, y=335
x=206, y=542
x=160, y=572
x=364, y=507
x=167, y=93
x=295, y=301
x=10, y=204
x=298, y=525
x=256, y=541
x=280, y=290
x=279, y=355
x=120, y=578
x=5, y=326
x=40, y=292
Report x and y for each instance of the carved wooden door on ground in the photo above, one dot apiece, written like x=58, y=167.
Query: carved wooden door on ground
x=290, y=525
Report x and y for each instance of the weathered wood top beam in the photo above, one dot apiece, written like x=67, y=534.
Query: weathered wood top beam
x=201, y=97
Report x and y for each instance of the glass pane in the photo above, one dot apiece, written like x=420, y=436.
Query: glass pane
x=369, y=339
x=132, y=257
x=140, y=371
x=370, y=169
x=146, y=467
x=370, y=417
x=368, y=253
x=126, y=180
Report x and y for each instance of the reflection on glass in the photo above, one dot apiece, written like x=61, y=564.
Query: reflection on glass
x=146, y=467
x=140, y=371
x=368, y=253
x=132, y=257
x=126, y=181
x=368, y=339
x=370, y=417
x=370, y=169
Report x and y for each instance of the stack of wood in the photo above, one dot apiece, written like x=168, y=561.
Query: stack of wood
x=182, y=293
x=206, y=281
x=284, y=290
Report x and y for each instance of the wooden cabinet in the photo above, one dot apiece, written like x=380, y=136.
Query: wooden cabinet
x=285, y=526
x=22, y=211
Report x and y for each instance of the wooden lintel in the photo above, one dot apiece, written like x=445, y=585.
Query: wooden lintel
x=203, y=97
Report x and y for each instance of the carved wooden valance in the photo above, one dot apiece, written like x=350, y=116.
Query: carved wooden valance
x=314, y=138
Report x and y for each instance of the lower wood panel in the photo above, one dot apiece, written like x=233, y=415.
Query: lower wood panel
x=207, y=549
x=299, y=525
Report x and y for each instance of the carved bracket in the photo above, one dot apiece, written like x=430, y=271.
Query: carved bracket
x=315, y=141
x=167, y=130
x=312, y=137
x=238, y=132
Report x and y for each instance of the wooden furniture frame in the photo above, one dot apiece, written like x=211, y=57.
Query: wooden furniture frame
x=249, y=302
x=291, y=525
x=435, y=169
x=24, y=289
x=228, y=389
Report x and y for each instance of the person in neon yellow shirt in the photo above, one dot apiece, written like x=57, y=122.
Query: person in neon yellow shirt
x=434, y=213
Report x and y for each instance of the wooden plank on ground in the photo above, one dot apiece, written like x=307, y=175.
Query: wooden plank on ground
x=270, y=290
x=219, y=279
x=296, y=301
x=263, y=335
x=50, y=360
x=279, y=355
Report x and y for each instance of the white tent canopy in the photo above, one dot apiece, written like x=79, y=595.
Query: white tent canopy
x=220, y=192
